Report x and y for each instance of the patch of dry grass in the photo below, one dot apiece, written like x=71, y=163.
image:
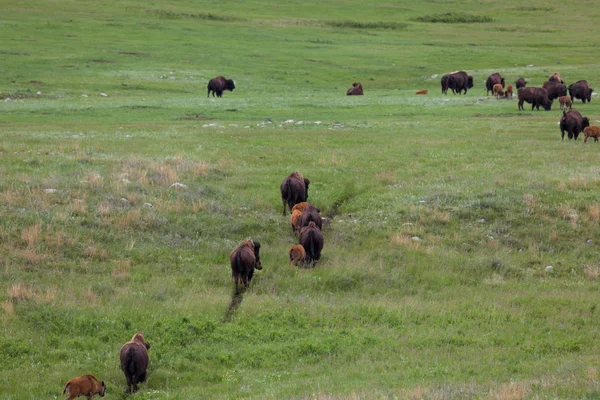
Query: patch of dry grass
x=21, y=291
x=8, y=307
x=121, y=272
x=593, y=212
x=591, y=271
x=386, y=177
x=95, y=252
x=510, y=391
x=31, y=235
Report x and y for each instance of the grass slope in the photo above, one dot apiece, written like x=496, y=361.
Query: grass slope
x=444, y=211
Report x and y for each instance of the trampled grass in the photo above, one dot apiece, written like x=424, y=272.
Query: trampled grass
x=461, y=248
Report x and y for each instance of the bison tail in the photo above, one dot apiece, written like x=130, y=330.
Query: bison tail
x=66, y=388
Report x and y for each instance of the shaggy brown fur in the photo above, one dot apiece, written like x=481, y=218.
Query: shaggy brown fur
x=555, y=77
x=300, y=206
x=294, y=190
x=520, y=83
x=311, y=213
x=492, y=80
x=134, y=361
x=565, y=101
x=218, y=85
x=297, y=255
x=295, y=220
x=498, y=90
x=86, y=385
x=509, y=91
x=355, y=90
x=244, y=259
x=424, y=91
x=591, y=131
x=312, y=240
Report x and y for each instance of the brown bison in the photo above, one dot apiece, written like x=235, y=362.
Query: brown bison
x=591, y=131
x=535, y=96
x=244, y=259
x=86, y=385
x=134, y=361
x=355, y=90
x=311, y=239
x=295, y=220
x=555, y=77
x=580, y=90
x=294, y=189
x=509, y=91
x=573, y=123
x=519, y=83
x=297, y=255
x=565, y=101
x=555, y=90
x=310, y=214
x=218, y=85
x=498, y=90
x=492, y=80
x=458, y=82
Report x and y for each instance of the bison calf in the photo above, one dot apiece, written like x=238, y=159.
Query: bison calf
x=86, y=385
x=509, y=91
x=565, y=101
x=134, y=361
x=591, y=131
x=294, y=190
x=297, y=255
x=218, y=85
x=355, y=90
x=244, y=259
x=498, y=90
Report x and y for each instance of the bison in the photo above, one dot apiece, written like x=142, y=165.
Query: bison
x=573, y=123
x=311, y=239
x=294, y=189
x=591, y=131
x=498, y=90
x=444, y=83
x=555, y=90
x=581, y=90
x=134, y=361
x=534, y=95
x=555, y=77
x=355, y=90
x=310, y=214
x=297, y=255
x=218, y=85
x=565, y=101
x=459, y=81
x=244, y=259
x=519, y=83
x=86, y=385
x=509, y=91
x=492, y=80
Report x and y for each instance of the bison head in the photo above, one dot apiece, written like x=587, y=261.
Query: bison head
x=306, y=183
x=585, y=122
x=589, y=97
x=502, y=82
x=548, y=105
x=257, y=254
x=230, y=85
x=102, y=388
x=470, y=82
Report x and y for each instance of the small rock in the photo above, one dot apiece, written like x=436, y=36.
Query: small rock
x=38, y=92
x=148, y=205
x=124, y=200
x=549, y=268
x=299, y=122
x=416, y=238
x=103, y=95
x=50, y=190
x=481, y=220
x=179, y=185
x=84, y=95
x=288, y=121
x=338, y=126
x=318, y=122
x=589, y=241
x=530, y=65
x=434, y=76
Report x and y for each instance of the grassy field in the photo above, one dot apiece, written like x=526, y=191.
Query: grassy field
x=461, y=255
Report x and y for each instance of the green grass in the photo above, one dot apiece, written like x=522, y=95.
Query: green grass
x=444, y=212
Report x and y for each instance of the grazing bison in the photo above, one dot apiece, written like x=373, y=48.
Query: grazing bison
x=555, y=90
x=311, y=239
x=355, y=90
x=498, y=90
x=310, y=214
x=591, y=131
x=565, y=101
x=534, y=95
x=294, y=189
x=444, y=83
x=134, y=361
x=573, y=123
x=555, y=77
x=581, y=90
x=509, y=91
x=492, y=80
x=218, y=85
x=244, y=259
x=520, y=83
x=297, y=255
x=459, y=81
x=86, y=385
